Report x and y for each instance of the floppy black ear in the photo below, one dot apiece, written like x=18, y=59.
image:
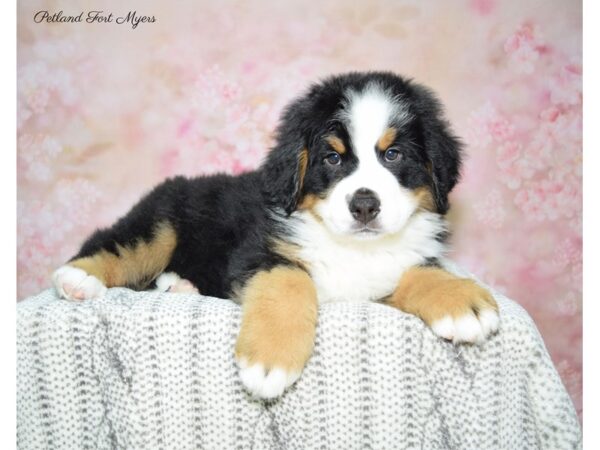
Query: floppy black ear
x=443, y=149
x=283, y=175
x=285, y=166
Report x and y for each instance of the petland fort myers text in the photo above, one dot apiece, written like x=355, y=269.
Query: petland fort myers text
x=132, y=18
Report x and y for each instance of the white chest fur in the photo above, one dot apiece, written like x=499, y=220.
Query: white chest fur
x=346, y=269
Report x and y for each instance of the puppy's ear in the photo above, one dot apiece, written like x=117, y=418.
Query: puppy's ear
x=443, y=149
x=283, y=176
x=285, y=167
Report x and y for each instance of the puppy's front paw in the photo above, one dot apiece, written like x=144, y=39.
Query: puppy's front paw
x=267, y=367
x=462, y=311
x=75, y=284
x=266, y=382
x=278, y=330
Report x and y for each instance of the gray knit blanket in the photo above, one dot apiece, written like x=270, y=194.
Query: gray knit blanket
x=143, y=370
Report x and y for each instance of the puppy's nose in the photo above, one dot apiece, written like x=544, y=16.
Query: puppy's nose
x=364, y=205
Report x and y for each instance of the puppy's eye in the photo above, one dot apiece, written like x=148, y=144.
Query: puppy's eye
x=391, y=154
x=333, y=159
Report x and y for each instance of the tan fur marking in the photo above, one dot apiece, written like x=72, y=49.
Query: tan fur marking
x=288, y=251
x=386, y=139
x=309, y=201
x=302, y=163
x=337, y=144
x=425, y=198
x=279, y=319
x=432, y=293
x=134, y=266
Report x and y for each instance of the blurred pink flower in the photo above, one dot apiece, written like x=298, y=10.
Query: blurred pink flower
x=524, y=47
x=487, y=125
x=570, y=305
x=567, y=252
x=508, y=153
x=566, y=85
x=491, y=211
x=33, y=86
x=34, y=155
x=547, y=199
x=483, y=7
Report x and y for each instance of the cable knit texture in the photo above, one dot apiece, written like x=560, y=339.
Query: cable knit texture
x=142, y=370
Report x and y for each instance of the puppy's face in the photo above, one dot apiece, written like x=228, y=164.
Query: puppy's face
x=369, y=150
x=376, y=176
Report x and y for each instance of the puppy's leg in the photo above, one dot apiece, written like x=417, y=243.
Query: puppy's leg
x=278, y=329
x=457, y=309
x=117, y=259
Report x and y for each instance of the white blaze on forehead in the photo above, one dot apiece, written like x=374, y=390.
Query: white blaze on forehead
x=370, y=113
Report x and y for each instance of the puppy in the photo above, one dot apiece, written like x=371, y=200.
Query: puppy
x=349, y=205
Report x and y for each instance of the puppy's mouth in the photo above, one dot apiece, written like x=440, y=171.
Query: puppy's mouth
x=366, y=230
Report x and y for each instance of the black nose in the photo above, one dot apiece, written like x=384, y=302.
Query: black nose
x=364, y=205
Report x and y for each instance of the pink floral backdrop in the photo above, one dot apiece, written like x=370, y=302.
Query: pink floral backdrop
x=106, y=111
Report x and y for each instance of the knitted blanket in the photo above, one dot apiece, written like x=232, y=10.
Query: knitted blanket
x=143, y=370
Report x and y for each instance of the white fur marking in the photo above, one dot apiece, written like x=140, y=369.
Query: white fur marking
x=489, y=321
x=444, y=327
x=171, y=282
x=348, y=269
x=75, y=284
x=166, y=281
x=262, y=384
x=370, y=113
x=467, y=328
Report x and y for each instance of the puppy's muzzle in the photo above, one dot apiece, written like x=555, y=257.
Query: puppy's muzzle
x=364, y=205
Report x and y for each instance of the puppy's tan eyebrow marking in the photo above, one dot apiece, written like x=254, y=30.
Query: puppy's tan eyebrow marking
x=386, y=139
x=336, y=143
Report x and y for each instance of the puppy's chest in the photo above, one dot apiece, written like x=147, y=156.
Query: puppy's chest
x=367, y=270
x=343, y=274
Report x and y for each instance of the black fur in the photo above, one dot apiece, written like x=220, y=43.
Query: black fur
x=441, y=147
x=224, y=224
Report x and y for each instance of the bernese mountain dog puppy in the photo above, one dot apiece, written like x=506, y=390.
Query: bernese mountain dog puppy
x=349, y=206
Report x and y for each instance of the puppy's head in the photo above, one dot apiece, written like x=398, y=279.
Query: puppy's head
x=363, y=152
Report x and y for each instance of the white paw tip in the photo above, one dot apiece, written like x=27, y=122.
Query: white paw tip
x=467, y=328
x=444, y=327
x=166, y=280
x=73, y=283
x=171, y=282
x=490, y=321
x=263, y=384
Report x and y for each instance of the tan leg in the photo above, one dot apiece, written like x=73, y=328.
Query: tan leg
x=278, y=329
x=456, y=309
x=133, y=266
